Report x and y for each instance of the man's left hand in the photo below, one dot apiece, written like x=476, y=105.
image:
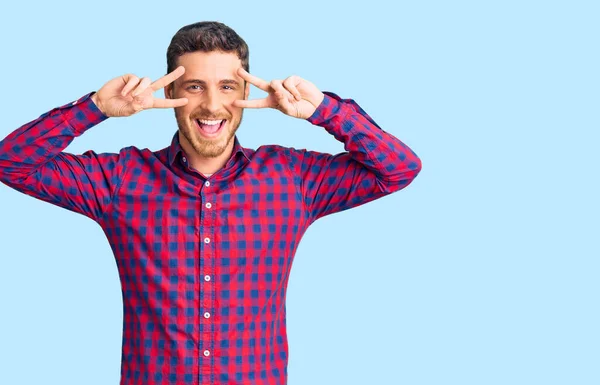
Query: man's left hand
x=293, y=96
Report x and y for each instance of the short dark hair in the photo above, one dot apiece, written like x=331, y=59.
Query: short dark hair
x=206, y=36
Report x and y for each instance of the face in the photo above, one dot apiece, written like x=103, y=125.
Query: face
x=211, y=84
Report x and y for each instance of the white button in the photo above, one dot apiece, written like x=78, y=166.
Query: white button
x=208, y=205
x=206, y=240
x=207, y=278
x=206, y=353
x=184, y=160
x=207, y=315
x=207, y=183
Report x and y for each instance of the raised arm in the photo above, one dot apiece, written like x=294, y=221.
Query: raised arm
x=32, y=160
x=375, y=162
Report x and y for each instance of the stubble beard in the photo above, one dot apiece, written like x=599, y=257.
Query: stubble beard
x=207, y=148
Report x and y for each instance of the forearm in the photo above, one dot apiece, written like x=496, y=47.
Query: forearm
x=37, y=142
x=393, y=162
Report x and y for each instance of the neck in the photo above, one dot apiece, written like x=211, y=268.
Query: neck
x=203, y=164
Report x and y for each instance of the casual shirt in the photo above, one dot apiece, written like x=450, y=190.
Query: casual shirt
x=204, y=261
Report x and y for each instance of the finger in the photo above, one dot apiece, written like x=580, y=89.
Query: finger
x=285, y=100
x=280, y=92
x=258, y=82
x=130, y=82
x=290, y=84
x=169, y=103
x=256, y=103
x=168, y=78
x=144, y=83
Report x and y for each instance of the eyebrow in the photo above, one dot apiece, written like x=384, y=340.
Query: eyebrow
x=202, y=82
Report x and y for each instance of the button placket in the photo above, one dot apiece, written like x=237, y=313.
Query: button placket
x=207, y=228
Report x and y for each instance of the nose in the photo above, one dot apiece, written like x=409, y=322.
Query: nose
x=212, y=102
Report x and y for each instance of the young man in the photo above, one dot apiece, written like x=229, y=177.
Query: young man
x=204, y=231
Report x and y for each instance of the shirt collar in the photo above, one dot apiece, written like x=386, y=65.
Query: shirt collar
x=176, y=148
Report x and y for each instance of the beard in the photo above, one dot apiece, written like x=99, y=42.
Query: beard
x=207, y=148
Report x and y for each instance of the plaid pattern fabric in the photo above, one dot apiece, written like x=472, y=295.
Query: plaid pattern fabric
x=204, y=262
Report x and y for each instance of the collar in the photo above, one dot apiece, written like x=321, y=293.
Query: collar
x=175, y=148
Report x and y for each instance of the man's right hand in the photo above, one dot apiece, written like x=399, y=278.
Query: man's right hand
x=126, y=95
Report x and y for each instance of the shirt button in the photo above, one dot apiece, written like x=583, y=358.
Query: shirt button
x=207, y=183
x=207, y=315
x=184, y=160
x=206, y=240
x=208, y=205
x=206, y=353
x=207, y=278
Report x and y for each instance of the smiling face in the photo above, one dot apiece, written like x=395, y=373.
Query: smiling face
x=208, y=123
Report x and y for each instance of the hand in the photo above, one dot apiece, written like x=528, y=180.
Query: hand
x=293, y=96
x=126, y=95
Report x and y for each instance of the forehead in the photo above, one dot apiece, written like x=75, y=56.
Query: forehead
x=209, y=66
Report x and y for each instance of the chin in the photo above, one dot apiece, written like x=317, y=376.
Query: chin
x=206, y=147
x=212, y=148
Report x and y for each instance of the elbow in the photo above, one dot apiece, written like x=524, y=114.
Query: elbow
x=411, y=164
x=415, y=166
x=403, y=173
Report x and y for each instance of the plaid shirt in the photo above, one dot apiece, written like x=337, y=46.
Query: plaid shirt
x=204, y=262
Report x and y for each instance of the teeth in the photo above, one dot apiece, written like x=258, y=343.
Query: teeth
x=210, y=122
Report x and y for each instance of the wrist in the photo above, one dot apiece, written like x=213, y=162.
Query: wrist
x=95, y=100
x=318, y=99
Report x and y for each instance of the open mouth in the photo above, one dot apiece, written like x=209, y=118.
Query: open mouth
x=210, y=128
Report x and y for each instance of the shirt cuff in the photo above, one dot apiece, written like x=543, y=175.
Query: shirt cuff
x=329, y=107
x=82, y=114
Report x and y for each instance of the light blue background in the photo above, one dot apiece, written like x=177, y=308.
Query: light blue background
x=483, y=271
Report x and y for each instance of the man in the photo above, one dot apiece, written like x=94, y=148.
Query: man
x=204, y=231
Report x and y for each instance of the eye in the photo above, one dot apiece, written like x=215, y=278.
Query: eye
x=193, y=87
x=229, y=87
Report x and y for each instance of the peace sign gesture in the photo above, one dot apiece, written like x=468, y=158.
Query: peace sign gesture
x=293, y=96
x=126, y=95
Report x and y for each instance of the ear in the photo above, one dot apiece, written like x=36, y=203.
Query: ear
x=167, y=89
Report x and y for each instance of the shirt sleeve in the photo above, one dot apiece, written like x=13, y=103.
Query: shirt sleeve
x=32, y=161
x=375, y=163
